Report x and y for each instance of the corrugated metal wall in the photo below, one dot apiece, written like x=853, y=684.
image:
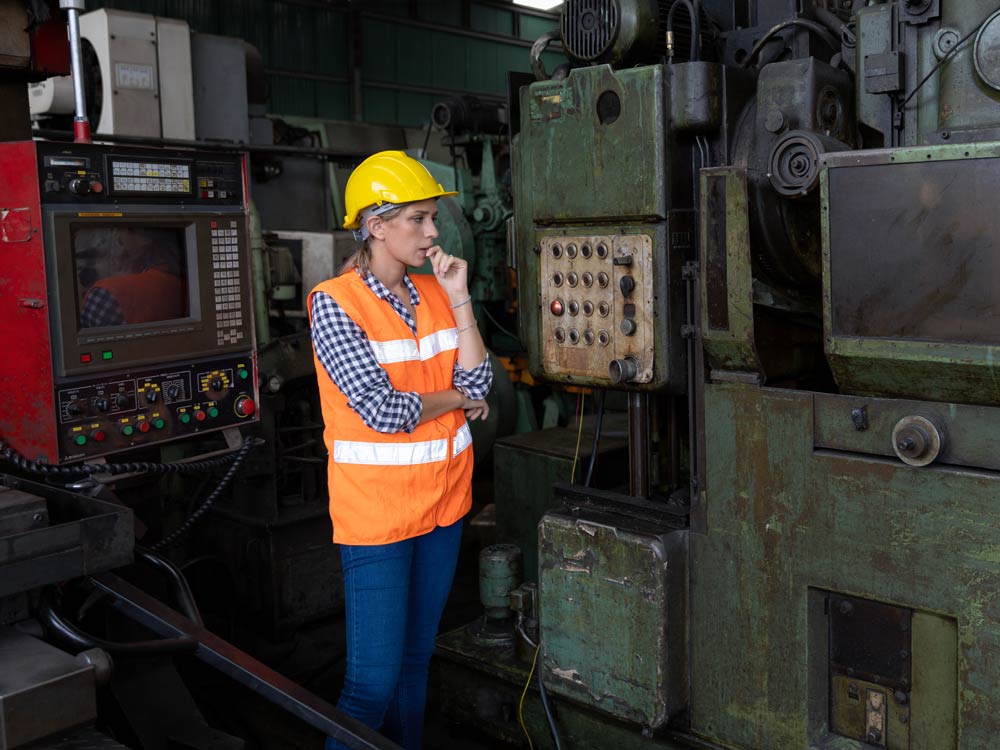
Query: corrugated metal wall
x=412, y=53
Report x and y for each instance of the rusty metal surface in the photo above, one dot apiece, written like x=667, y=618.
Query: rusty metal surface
x=612, y=622
x=911, y=315
x=784, y=518
x=583, y=308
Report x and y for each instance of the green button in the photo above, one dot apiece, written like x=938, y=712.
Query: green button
x=158, y=424
x=127, y=430
x=107, y=355
x=80, y=439
x=213, y=412
x=185, y=418
x=244, y=374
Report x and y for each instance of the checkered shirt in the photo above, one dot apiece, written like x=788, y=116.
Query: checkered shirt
x=347, y=356
x=101, y=309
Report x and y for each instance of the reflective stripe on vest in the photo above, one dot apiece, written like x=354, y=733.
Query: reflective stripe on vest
x=407, y=350
x=400, y=454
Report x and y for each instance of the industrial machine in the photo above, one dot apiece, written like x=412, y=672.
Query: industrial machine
x=129, y=300
x=771, y=226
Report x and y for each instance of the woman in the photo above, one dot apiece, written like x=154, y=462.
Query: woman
x=401, y=365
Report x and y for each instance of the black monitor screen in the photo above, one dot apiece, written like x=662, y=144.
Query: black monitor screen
x=128, y=274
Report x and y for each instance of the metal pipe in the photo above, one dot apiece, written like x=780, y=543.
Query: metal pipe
x=229, y=660
x=81, y=126
x=260, y=301
x=638, y=444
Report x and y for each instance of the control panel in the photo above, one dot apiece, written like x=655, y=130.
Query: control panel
x=597, y=307
x=99, y=416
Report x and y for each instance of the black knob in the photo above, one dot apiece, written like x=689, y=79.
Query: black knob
x=102, y=404
x=121, y=401
x=73, y=409
x=216, y=384
x=79, y=186
x=52, y=186
x=151, y=396
x=173, y=392
x=627, y=284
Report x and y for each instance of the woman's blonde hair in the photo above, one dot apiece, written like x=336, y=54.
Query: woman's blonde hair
x=361, y=258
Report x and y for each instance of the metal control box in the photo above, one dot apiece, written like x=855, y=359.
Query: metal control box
x=612, y=622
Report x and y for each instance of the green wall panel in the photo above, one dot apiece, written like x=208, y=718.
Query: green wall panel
x=491, y=20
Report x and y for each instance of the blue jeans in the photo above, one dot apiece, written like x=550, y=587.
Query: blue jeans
x=394, y=596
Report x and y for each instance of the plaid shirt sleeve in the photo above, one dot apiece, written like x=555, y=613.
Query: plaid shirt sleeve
x=100, y=308
x=474, y=383
x=347, y=356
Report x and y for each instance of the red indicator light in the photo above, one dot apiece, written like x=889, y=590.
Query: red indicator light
x=84, y=359
x=215, y=225
x=96, y=186
x=557, y=307
x=200, y=415
x=143, y=426
x=98, y=436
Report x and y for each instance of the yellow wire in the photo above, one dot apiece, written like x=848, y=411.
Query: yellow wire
x=520, y=706
x=579, y=433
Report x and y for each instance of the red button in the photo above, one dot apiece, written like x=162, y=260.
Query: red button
x=245, y=407
x=97, y=436
x=96, y=186
x=143, y=426
x=200, y=415
x=557, y=307
x=84, y=359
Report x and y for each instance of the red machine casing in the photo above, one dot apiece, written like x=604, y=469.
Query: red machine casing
x=26, y=382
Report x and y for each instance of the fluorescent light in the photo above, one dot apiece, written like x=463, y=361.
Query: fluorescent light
x=539, y=4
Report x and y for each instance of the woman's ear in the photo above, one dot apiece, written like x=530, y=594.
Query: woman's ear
x=376, y=227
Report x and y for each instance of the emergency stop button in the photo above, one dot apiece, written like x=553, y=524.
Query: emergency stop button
x=245, y=407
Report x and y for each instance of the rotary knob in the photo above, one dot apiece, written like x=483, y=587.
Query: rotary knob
x=916, y=440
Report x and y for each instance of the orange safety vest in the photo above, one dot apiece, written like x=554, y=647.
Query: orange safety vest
x=389, y=487
x=146, y=297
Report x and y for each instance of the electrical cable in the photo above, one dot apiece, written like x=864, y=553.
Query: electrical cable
x=947, y=56
x=497, y=324
x=694, y=51
x=548, y=712
x=598, y=424
x=190, y=521
x=177, y=467
x=520, y=705
x=579, y=434
x=812, y=26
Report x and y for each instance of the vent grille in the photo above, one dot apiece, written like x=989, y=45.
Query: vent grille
x=589, y=27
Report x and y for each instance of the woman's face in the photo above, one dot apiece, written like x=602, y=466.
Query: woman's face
x=411, y=233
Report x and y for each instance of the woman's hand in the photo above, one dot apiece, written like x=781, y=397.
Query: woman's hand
x=476, y=409
x=452, y=273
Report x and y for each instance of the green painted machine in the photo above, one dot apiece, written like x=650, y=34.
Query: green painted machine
x=776, y=233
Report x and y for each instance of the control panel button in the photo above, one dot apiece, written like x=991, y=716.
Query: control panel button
x=627, y=284
x=244, y=374
x=98, y=436
x=627, y=326
x=245, y=406
x=556, y=308
x=185, y=418
x=80, y=440
x=144, y=427
x=158, y=424
x=213, y=412
x=127, y=430
x=200, y=415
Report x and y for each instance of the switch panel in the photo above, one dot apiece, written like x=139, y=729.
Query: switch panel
x=597, y=307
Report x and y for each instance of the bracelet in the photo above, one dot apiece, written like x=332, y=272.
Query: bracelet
x=465, y=301
x=466, y=328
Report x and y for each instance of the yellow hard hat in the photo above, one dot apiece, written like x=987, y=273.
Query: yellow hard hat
x=388, y=177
